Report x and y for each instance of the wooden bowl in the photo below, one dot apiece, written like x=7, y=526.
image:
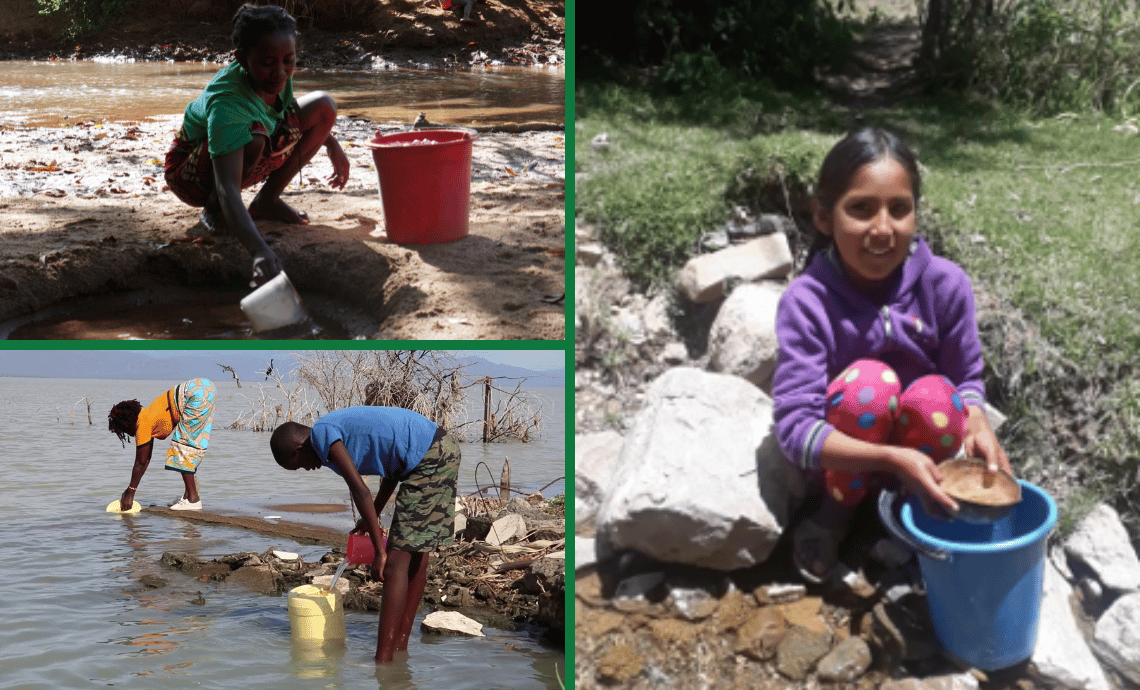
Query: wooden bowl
x=982, y=496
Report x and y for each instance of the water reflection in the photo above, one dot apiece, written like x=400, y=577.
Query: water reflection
x=396, y=675
x=58, y=93
x=309, y=659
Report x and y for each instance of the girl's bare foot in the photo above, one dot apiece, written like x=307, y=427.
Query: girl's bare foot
x=276, y=209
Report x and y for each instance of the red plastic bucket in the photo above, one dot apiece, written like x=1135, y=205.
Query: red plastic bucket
x=360, y=548
x=425, y=183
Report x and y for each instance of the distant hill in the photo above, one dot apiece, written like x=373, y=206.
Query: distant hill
x=249, y=365
x=477, y=367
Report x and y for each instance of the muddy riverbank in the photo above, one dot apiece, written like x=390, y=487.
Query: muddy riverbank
x=342, y=33
x=84, y=212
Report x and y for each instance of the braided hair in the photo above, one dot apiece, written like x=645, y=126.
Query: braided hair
x=123, y=420
x=252, y=23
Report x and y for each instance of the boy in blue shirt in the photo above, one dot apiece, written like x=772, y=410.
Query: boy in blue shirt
x=402, y=447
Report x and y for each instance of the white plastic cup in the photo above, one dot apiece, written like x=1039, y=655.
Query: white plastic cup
x=275, y=304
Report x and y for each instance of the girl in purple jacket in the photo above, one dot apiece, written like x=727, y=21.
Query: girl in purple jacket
x=880, y=366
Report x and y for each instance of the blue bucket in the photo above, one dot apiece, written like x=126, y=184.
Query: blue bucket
x=984, y=582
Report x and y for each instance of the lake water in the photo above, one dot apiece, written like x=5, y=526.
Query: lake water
x=76, y=614
x=55, y=93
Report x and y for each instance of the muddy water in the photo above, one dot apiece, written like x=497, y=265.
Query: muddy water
x=95, y=607
x=169, y=314
x=55, y=93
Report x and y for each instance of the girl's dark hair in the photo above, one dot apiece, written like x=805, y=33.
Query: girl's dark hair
x=855, y=150
x=124, y=419
x=254, y=22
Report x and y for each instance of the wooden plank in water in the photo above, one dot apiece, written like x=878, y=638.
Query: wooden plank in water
x=305, y=534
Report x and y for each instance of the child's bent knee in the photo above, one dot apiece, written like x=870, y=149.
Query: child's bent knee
x=932, y=417
x=862, y=400
x=317, y=103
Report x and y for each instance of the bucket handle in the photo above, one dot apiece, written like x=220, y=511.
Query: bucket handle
x=468, y=133
x=887, y=500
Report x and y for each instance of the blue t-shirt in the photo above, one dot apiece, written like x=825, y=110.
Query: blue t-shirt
x=388, y=441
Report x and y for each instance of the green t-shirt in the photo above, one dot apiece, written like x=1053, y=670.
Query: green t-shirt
x=226, y=109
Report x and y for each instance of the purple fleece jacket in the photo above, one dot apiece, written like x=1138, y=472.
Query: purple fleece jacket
x=925, y=326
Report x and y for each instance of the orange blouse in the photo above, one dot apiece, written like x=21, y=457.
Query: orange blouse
x=158, y=419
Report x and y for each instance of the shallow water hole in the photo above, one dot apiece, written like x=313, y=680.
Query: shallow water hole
x=177, y=313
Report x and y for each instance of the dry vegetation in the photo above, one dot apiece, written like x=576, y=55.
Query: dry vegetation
x=428, y=382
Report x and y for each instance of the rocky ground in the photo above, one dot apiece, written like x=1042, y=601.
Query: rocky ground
x=516, y=581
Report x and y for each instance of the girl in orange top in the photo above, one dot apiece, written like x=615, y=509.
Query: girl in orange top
x=185, y=413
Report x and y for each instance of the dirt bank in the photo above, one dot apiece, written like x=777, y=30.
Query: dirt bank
x=84, y=211
x=333, y=32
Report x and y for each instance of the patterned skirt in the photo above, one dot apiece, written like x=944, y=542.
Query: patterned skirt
x=189, y=440
x=190, y=172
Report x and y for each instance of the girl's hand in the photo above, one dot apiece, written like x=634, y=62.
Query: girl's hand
x=981, y=442
x=265, y=266
x=340, y=164
x=126, y=500
x=922, y=478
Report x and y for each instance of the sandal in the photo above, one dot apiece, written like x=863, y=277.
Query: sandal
x=815, y=550
x=214, y=222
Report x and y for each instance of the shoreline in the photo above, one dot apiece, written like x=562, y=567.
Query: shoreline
x=518, y=583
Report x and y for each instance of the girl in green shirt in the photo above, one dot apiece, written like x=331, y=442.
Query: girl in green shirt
x=246, y=127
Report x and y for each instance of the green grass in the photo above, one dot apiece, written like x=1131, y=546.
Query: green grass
x=665, y=178
x=1043, y=215
x=1047, y=212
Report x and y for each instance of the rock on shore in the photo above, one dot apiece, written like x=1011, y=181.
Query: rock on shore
x=520, y=581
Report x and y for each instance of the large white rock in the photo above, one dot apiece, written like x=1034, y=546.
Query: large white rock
x=1117, y=637
x=1101, y=542
x=595, y=457
x=1061, y=654
x=700, y=479
x=585, y=552
x=451, y=623
x=702, y=278
x=506, y=528
x=742, y=340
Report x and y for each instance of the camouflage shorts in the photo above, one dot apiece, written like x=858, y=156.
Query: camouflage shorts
x=425, y=505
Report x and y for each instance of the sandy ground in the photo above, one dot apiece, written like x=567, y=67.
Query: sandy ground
x=84, y=211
